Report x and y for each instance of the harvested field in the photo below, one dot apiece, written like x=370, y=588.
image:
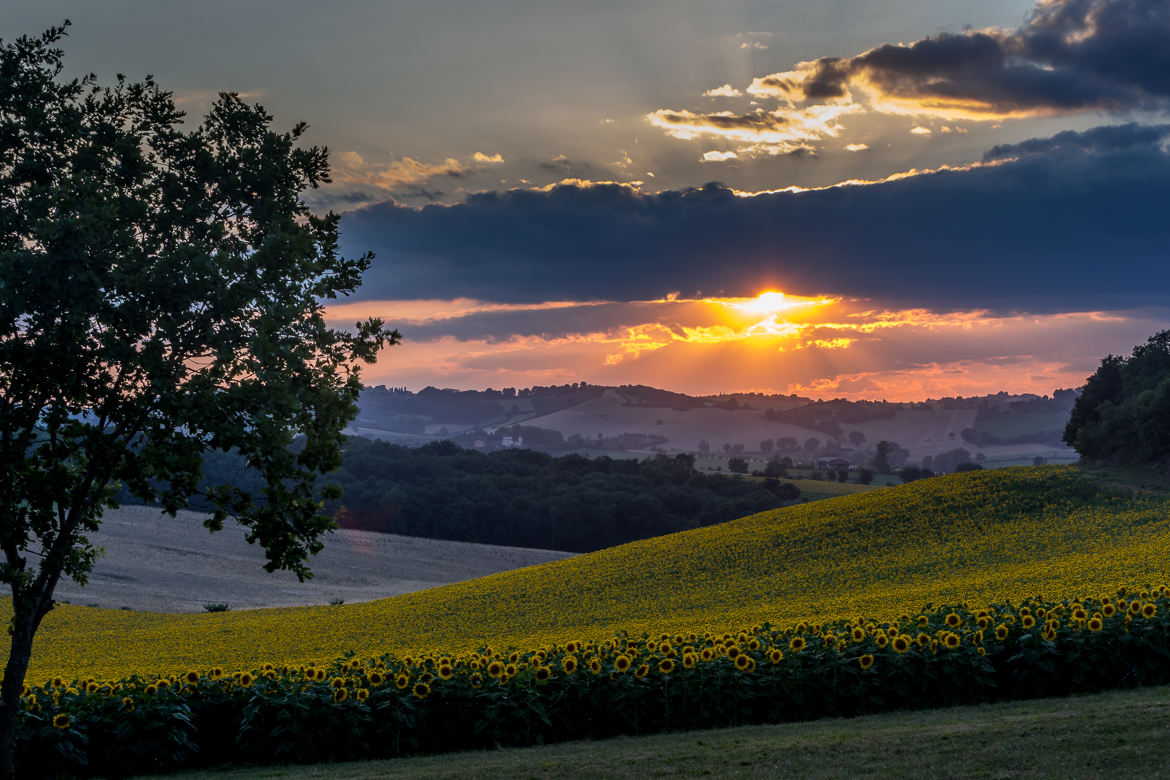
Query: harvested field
x=162, y=564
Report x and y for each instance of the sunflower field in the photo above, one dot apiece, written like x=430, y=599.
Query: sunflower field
x=645, y=636
x=392, y=706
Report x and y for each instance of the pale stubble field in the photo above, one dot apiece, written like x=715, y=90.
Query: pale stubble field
x=157, y=563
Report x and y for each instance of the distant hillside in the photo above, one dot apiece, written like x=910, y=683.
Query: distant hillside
x=998, y=429
x=979, y=537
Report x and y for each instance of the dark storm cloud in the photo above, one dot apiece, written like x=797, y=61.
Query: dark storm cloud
x=1069, y=56
x=1098, y=139
x=1079, y=226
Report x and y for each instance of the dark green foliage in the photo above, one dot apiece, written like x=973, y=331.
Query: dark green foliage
x=1123, y=414
x=530, y=499
x=161, y=294
x=524, y=498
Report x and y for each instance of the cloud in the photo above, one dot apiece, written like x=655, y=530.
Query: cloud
x=1078, y=223
x=920, y=130
x=783, y=131
x=856, y=147
x=724, y=91
x=1099, y=139
x=1069, y=57
x=754, y=40
x=354, y=169
x=719, y=156
x=819, y=347
x=485, y=159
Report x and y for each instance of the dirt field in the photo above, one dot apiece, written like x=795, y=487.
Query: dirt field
x=162, y=564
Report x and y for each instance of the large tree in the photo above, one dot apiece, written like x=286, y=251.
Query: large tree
x=1123, y=413
x=161, y=295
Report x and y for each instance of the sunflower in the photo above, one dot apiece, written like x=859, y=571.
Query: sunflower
x=446, y=672
x=642, y=671
x=733, y=652
x=865, y=661
x=797, y=644
x=476, y=680
x=495, y=670
x=420, y=690
x=951, y=640
x=707, y=653
x=191, y=677
x=1050, y=633
x=320, y=675
x=953, y=621
x=742, y=662
x=666, y=665
x=1095, y=624
x=569, y=664
x=1001, y=632
x=1108, y=610
x=151, y=690
x=337, y=682
x=775, y=655
x=163, y=683
x=362, y=694
x=402, y=681
x=689, y=660
x=1027, y=621
x=923, y=621
x=571, y=647
x=375, y=678
x=91, y=687
x=881, y=640
x=858, y=634
x=340, y=695
x=900, y=644
x=1149, y=609
x=62, y=721
x=127, y=704
x=622, y=663
x=594, y=664
x=543, y=673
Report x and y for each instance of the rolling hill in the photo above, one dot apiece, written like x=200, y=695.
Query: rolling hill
x=1003, y=429
x=978, y=537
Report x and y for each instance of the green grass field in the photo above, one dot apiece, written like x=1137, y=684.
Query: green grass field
x=1122, y=733
x=980, y=536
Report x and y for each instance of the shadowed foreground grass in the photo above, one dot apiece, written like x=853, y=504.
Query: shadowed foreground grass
x=1123, y=733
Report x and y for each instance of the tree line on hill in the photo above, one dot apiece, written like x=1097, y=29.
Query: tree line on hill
x=524, y=498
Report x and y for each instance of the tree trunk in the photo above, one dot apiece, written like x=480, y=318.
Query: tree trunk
x=23, y=628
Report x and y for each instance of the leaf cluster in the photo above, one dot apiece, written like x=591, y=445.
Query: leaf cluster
x=1123, y=414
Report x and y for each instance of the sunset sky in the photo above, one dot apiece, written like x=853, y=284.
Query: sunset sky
x=847, y=198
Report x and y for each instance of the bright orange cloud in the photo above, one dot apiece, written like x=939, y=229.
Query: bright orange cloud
x=828, y=347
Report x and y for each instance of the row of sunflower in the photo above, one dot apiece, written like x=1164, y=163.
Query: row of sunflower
x=393, y=706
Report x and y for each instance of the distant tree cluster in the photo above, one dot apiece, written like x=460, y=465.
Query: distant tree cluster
x=524, y=498
x=1123, y=414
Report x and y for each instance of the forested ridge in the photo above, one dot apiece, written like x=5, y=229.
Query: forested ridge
x=522, y=497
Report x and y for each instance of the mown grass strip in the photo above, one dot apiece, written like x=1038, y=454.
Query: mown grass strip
x=1122, y=733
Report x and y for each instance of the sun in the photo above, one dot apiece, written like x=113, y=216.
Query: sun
x=770, y=302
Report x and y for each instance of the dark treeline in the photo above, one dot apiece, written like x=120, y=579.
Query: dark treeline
x=525, y=498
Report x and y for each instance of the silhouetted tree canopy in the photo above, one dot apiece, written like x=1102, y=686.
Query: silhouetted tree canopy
x=1123, y=414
